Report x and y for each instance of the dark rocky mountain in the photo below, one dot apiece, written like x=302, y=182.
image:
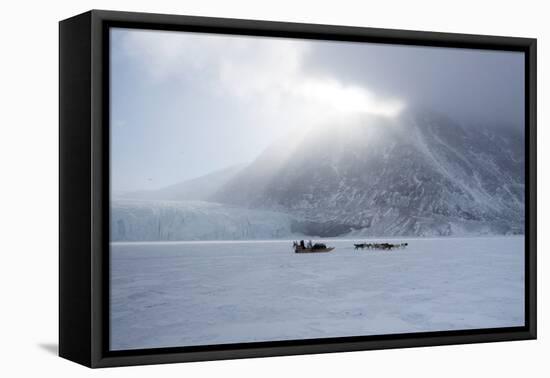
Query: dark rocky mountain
x=418, y=174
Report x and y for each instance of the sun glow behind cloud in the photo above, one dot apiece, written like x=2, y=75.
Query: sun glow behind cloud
x=268, y=76
x=333, y=95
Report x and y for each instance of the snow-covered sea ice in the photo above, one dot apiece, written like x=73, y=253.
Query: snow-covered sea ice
x=166, y=294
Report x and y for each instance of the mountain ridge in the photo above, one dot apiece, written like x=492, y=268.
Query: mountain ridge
x=418, y=174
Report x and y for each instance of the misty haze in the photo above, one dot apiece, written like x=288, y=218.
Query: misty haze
x=407, y=161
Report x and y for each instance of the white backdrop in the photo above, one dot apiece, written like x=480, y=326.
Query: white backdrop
x=29, y=186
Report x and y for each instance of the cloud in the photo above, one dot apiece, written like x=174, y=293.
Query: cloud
x=268, y=75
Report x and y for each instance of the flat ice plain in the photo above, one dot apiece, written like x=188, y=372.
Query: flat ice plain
x=167, y=294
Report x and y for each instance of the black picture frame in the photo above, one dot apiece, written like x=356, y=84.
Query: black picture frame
x=84, y=188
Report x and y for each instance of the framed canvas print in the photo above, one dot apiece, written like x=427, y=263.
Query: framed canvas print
x=234, y=188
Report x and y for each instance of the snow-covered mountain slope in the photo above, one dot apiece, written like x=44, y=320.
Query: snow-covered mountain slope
x=419, y=174
x=199, y=188
x=145, y=220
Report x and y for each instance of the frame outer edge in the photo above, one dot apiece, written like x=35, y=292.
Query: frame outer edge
x=318, y=31
x=75, y=272
x=532, y=51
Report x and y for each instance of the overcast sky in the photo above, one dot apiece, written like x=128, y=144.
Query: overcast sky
x=187, y=104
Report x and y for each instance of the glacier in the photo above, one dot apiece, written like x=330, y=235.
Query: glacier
x=151, y=220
